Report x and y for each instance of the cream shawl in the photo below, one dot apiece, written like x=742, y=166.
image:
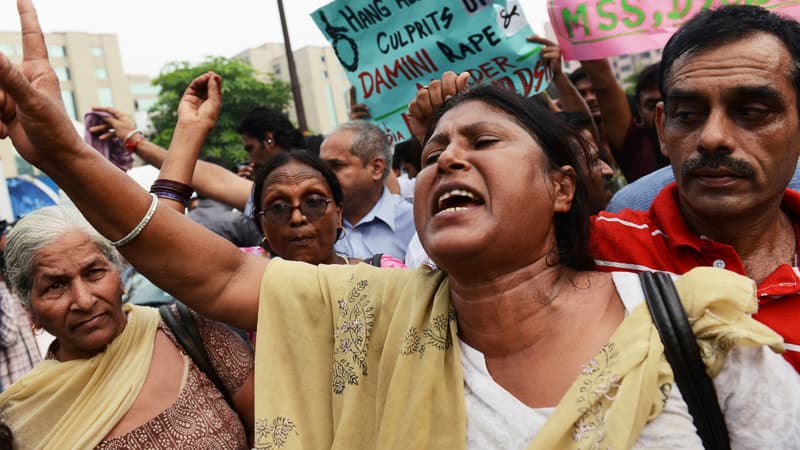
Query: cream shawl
x=74, y=404
x=358, y=357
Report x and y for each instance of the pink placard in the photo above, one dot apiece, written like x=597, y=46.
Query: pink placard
x=594, y=29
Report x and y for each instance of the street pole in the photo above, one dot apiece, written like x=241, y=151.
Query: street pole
x=298, y=98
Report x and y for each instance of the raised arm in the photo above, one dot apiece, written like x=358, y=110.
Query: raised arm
x=568, y=96
x=198, y=111
x=611, y=98
x=430, y=98
x=190, y=262
x=211, y=180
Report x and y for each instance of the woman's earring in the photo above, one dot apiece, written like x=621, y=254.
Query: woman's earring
x=263, y=243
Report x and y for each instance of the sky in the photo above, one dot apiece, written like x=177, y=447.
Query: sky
x=152, y=33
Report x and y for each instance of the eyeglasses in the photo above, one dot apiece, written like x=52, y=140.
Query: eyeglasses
x=279, y=211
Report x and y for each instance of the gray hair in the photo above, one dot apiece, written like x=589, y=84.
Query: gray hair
x=369, y=142
x=39, y=229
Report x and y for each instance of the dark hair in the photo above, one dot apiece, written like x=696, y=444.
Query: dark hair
x=6, y=438
x=721, y=26
x=648, y=78
x=313, y=143
x=303, y=157
x=558, y=141
x=408, y=151
x=577, y=75
x=262, y=120
x=540, y=99
x=578, y=119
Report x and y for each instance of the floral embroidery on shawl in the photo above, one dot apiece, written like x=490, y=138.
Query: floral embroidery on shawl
x=598, y=380
x=272, y=435
x=438, y=336
x=351, y=337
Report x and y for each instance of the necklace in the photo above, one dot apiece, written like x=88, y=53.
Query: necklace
x=344, y=258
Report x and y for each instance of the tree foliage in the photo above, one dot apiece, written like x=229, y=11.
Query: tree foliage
x=241, y=92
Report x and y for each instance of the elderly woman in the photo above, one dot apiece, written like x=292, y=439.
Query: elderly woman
x=298, y=208
x=513, y=344
x=115, y=377
x=297, y=199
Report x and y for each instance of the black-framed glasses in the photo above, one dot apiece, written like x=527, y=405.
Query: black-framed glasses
x=279, y=211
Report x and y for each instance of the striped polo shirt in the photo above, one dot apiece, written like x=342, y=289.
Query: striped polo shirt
x=660, y=239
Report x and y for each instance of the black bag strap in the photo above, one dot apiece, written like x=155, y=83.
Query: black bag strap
x=680, y=348
x=375, y=260
x=184, y=328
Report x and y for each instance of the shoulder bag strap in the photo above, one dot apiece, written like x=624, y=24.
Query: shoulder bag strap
x=375, y=260
x=683, y=355
x=184, y=327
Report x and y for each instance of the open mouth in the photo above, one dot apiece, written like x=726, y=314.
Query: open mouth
x=457, y=200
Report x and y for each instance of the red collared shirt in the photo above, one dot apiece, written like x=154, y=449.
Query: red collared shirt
x=659, y=239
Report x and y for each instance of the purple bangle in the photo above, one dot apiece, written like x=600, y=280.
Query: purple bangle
x=171, y=195
x=174, y=186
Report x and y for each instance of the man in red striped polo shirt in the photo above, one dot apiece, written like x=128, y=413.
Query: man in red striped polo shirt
x=731, y=127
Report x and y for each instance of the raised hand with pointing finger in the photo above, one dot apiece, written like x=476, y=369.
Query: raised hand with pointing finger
x=32, y=113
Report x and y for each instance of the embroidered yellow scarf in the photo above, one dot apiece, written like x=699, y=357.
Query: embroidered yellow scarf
x=625, y=386
x=74, y=404
x=358, y=357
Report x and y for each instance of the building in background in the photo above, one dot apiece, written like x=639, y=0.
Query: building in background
x=326, y=91
x=145, y=95
x=143, y=92
x=89, y=69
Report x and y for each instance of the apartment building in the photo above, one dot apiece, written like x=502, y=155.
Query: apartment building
x=89, y=68
x=323, y=83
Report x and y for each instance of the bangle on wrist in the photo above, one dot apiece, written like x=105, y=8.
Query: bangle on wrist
x=132, y=139
x=140, y=226
x=169, y=195
x=173, y=190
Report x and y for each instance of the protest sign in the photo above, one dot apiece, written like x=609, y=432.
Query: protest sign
x=390, y=48
x=594, y=29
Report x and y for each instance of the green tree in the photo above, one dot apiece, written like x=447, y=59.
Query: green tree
x=241, y=92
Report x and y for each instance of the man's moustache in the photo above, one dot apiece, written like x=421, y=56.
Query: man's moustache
x=718, y=161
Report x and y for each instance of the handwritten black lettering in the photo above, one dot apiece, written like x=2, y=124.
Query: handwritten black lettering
x=474, y=5
x=474, y=45
x=403, y=3
x=362, y=19
x=428, y=25
x=337, y=35
x=508, y=15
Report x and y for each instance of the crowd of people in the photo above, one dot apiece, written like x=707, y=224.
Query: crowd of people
x=475, y=287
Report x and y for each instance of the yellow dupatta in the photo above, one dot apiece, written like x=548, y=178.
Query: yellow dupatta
x=74, y=404
x=626, y=385
x=358, y=357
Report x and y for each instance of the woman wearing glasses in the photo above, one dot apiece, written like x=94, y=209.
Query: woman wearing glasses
x=298, y=208
x=514, y=340
x=297, y=199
